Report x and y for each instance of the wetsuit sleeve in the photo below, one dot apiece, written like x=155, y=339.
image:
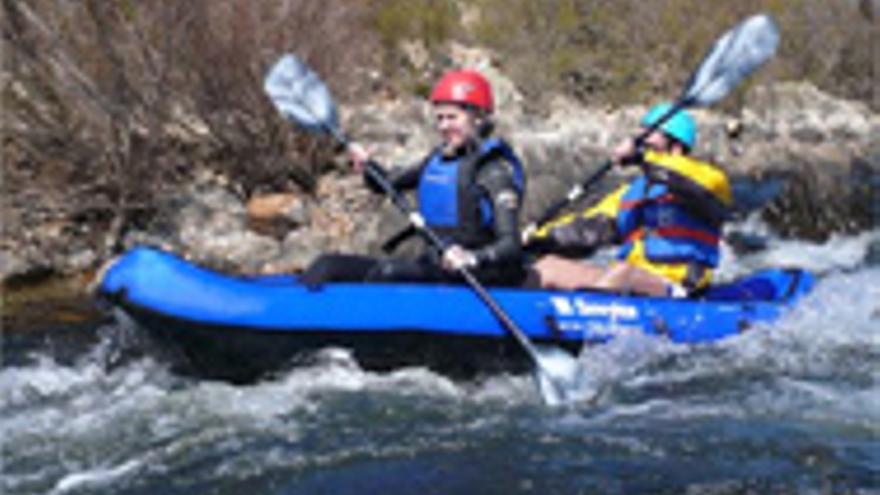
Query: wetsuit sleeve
x=496, y=179
x=580, y=234
x=704, y=187
x=402, y=179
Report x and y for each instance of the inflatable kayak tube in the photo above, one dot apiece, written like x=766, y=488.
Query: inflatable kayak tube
x=241, y=328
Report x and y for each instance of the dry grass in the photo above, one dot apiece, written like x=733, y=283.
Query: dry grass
x=622, y=51
x=109, y=104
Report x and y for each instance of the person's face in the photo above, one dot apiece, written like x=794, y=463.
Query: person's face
x=657, y=141
x=660, y=142
x=455, y=125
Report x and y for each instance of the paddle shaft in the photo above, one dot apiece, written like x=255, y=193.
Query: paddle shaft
x=294, y=89
x=373, y=171
x=732, y=57
x=581, y=189
x=418, y=221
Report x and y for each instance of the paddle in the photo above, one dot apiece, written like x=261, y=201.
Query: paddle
x=738, y=53
x=300, y=95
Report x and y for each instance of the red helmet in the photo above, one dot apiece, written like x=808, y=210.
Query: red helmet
x=464, y=87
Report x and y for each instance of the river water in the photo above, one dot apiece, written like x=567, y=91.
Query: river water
x=790, y=408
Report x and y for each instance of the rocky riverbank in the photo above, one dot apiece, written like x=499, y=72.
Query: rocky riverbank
x=825, y=150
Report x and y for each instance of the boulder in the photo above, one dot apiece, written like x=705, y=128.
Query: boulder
x=274, y=214
x=824, y=150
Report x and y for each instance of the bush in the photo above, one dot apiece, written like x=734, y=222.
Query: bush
x=109, y=104
x=625, y=51
x=428, y=23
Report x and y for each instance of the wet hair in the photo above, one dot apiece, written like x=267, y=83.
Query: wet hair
x=486, y=126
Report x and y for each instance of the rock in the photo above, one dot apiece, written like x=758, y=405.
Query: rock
x=208, y=224
x=239, y=250
x=399, y=131
x=822, y=198
x=785, y=130
x=269, y=206
x=865, y=187
x=82, y=259
x=807, y=135
x=276, y=214
x=298, y=250
x=12, y=265
x=825, y=149
x=791, y=106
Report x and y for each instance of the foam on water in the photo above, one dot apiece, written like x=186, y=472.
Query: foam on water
x=818, y=363
x=839, y=252
x=78, y=429
x=96, y=479
x=83, y=427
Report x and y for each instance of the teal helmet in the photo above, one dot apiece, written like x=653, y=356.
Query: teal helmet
x=681, y=126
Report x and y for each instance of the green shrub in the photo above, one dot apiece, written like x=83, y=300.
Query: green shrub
x=429, y=21
x=633, y=50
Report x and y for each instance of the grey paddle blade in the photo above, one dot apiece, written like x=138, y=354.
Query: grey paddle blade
x=733, y=57
x=300, y=95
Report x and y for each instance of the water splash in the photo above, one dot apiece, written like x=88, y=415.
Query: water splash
x=90, y=426
x=96, y=479
x=838, y=253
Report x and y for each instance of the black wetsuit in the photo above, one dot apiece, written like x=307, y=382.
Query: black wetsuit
x=496, y=246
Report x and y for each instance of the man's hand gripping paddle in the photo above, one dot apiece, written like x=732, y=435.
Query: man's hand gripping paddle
x=733, y=56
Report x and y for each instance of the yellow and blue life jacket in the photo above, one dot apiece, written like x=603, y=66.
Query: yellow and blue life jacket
x=674, y=212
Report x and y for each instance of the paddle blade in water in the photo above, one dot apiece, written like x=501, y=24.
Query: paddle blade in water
x=560, y=377
x=300, y=95
x=733, y=57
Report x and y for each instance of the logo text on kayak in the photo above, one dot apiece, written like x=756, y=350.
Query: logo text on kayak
x=578, y=306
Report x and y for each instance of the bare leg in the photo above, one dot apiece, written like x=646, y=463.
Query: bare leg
x=556, y=272
x=629, y=278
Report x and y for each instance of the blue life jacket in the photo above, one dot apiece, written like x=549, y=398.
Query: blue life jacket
x=668, y=231
x=451, y=201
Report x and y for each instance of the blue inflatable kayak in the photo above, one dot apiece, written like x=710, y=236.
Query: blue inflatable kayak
x=239, y=328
